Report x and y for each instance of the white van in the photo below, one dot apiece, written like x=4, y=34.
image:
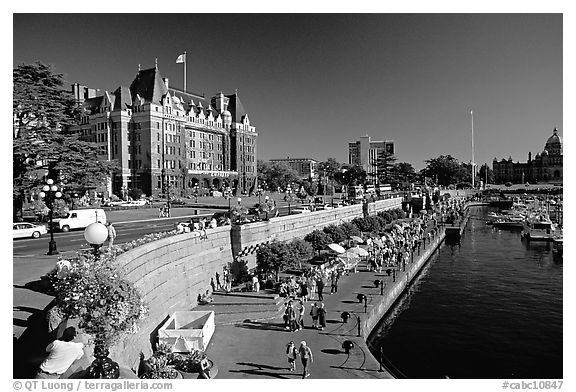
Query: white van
x=79, y=219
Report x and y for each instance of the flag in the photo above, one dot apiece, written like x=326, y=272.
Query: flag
x=471, y=113
x=181, y=58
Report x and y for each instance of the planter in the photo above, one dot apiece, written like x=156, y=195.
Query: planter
x=186, y=331
x=213, y=369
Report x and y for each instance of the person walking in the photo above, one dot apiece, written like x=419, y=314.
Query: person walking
x=304, y=290
x=314, y=314
x=218, y=284
x=300, y=316
x=111, y=235
x=312, y=284
x=306, y=357
x=321, y=317
x=62, y=354
x=320, y=285
x=212, y=284
x=255, y=283
x=333, y=282
x=292, y=353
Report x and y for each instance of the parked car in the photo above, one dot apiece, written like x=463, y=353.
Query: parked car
x=134, y=203
x=301, y=210
x=27, y=230
x=324, y=207
x=109, y=203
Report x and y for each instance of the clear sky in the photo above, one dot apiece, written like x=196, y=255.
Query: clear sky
x=311, y=83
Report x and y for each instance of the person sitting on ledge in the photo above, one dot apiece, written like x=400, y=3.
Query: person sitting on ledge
x=206, y=298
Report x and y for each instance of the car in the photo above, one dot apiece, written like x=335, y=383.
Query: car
x=134, y=203
x=301, y=210
x=113, y=203
x=324, y=207
x=27, y=230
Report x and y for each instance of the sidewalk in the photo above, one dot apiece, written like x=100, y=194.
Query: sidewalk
x=257, y=349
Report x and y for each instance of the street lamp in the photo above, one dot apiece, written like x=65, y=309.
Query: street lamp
x=259, y=193
x=288, y=196
x=95, y=234
x=50, y=194
x=196, y=192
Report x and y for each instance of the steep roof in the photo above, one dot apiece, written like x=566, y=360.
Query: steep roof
x=149, y=85
x=236, y=108
x=91, y=105
x=123, y=98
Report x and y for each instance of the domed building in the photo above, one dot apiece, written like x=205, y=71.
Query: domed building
x=546, y=166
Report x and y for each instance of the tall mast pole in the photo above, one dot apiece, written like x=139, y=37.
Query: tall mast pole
x=184, y=71
x=472, y=119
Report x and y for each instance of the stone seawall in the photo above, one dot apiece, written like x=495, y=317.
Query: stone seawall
x=170, y=273
x=247, y=238
x=393, y=290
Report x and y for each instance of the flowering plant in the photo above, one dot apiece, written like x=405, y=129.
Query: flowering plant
x=125, y=247
x=93, y=290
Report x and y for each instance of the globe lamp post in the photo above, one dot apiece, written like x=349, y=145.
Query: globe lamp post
x=50, y=194
x=95, y=234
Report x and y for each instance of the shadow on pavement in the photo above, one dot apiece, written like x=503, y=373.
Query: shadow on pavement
x=261, y=372
x=332, y=351
x=29, y=349
x=263, y=326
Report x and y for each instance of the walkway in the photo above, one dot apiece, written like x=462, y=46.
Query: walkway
x=257, y=349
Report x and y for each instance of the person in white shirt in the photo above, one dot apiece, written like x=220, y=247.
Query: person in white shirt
x=62, y=354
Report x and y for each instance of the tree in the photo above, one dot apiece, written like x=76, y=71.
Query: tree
x=310, y=187
x=273, y=257
x=485, y=169
x=318, y=239
x=383, y=167
x=301, y=250
x=403, y=173
x=328, y=170
x=354, y=175
x=42, y=141
x=276, y=174
x=445, y=170
x=335, y=233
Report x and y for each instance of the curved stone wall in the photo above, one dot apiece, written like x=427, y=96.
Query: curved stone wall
x=170, y=273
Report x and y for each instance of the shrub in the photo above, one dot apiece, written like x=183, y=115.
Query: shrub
x=335, y=233
x=318, y=239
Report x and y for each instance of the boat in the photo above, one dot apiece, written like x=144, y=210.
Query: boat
x=513, y=223
x=540, y=228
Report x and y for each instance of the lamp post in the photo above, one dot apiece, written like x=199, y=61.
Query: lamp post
x=50, y=194
x=259, y=193
x=95, y=234
x=288, y=196
x=196, y=192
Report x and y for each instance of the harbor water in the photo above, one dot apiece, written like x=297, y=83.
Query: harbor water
x=489, y=307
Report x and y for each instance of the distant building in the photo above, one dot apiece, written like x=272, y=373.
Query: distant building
x=366, y=152
x=305, y=167
x=545, y=167
x=166, y=140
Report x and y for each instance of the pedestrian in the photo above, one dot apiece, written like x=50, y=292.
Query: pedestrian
x=306, y=357
x=321, y=317
x=300, y=317
x=255, y=284
x=218, y=284
x=212, y=284
x=320, y=285
x=333, y=282
x=304, y=290
x=228, y=283
x=314, y=314
x=312, y=284
x=111, y=235
x=62, y=354
x=290, y=317
x=291, y=353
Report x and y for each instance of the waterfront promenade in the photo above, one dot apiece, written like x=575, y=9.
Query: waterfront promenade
x=257, y=349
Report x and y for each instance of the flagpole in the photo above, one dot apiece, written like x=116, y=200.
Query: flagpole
x=184, y=71
x=472, y=119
